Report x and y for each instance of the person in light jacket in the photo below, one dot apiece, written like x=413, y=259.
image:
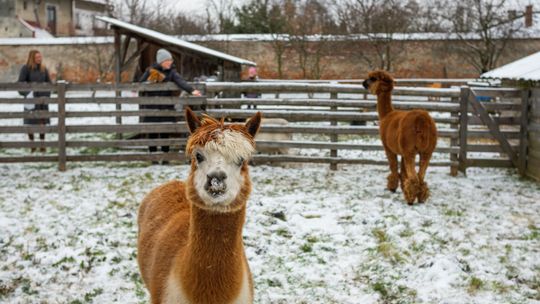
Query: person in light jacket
x=35, y=71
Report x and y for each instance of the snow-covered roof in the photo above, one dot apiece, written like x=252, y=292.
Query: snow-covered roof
x=36, y=30
x=527, y=68
x=171, y=40
x=56, y=41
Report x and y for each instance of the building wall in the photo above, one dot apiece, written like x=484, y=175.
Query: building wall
x=9, y=25
x=84, y=20
x=64, y=27
x=420, y=59
x=82, y=63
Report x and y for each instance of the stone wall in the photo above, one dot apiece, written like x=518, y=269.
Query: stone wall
x=88, y=62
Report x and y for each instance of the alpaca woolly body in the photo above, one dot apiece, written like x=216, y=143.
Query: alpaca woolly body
x=190, y=247
x=405, y=133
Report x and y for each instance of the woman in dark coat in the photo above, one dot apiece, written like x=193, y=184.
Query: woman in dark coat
x=163, y=71
x=35, y=71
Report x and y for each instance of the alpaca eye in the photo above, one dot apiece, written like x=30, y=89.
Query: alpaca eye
x=240, y=161
x=372, y=78
x=199, y=157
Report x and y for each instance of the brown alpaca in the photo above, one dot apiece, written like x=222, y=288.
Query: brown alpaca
x=155, y=76
x=190, y=247
x=405, y=133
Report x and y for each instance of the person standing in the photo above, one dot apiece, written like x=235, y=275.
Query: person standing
x=252, y=76
x=163, y=71
x=35, y=71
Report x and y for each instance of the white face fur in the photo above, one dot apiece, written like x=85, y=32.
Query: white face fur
x=218, y=177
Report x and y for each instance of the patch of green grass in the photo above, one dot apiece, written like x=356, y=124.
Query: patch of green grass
x=89, y=296
x=427, y=223
x=475, y=284
x=390, y=252
x=63, y=261
x=385, y=246
x=306, y=247
x=454, y=212
x=408, y=232
x=284, y=232
x=534, y=233
x=380, y=235
x=465, y=251
x=273, y=283
x=500, y=287
x=393, y=293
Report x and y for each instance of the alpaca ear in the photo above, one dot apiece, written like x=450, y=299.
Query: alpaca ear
x=192, y=120
x=253, y=124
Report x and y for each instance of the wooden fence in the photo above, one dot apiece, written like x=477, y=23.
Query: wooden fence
x=332, y=119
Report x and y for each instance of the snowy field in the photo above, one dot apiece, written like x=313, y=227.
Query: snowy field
x=312, y=235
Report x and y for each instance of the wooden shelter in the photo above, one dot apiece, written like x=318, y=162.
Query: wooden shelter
x=191, y=60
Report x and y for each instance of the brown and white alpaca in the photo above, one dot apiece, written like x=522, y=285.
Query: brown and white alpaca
x=405, y=133
x=190, y=247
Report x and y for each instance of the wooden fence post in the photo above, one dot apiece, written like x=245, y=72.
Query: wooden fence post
x=463, y=121
x=333, y=137
x=523, y=132
x=61, y=125
x=454, y=142
x=117, y=75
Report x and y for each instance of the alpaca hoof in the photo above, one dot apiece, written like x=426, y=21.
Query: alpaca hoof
x=393, y=182
x=410, y=190
x=423, y=192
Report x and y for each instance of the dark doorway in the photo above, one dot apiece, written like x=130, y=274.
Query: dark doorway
x=51, y=19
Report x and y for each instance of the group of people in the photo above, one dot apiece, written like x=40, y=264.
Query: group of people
x=163, y=70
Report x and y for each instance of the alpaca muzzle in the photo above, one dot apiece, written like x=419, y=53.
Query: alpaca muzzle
x=215, y=184
x=365, y=84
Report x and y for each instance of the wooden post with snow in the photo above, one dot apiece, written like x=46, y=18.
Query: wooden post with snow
x=533, y=128
x=61, y=125
x=333, y=137
x=463, y=121
x=117, y=74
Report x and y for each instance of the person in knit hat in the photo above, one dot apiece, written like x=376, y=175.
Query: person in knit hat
x=252, y=76
x=163, y=70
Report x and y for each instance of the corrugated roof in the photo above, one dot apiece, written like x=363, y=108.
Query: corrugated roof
x=527, y=68
x=171, y=40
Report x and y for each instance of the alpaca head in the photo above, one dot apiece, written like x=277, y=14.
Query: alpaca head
x=379, y=82
x=219, y=154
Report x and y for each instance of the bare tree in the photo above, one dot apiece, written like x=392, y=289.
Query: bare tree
x=309, y=25
x=223, y=12
x=484, y=28
x=381, y=26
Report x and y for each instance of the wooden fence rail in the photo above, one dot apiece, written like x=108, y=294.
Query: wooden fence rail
x=468, y=128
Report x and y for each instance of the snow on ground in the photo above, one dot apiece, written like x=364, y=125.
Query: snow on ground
x=312, y=235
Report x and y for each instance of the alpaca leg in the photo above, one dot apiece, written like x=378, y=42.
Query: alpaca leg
x=411, y=184
x=393, y=177
x=402, y=173
x=423, y=192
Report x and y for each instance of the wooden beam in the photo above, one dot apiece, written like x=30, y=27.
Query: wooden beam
x=118, y=74
x=494, y=129
x=62, y=126
x=125, y=47
x=463, y=120
x=135, y=55
x=524, y=133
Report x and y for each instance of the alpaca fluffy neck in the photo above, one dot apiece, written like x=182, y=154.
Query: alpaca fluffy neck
x=384, y=104
x=211, y=266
